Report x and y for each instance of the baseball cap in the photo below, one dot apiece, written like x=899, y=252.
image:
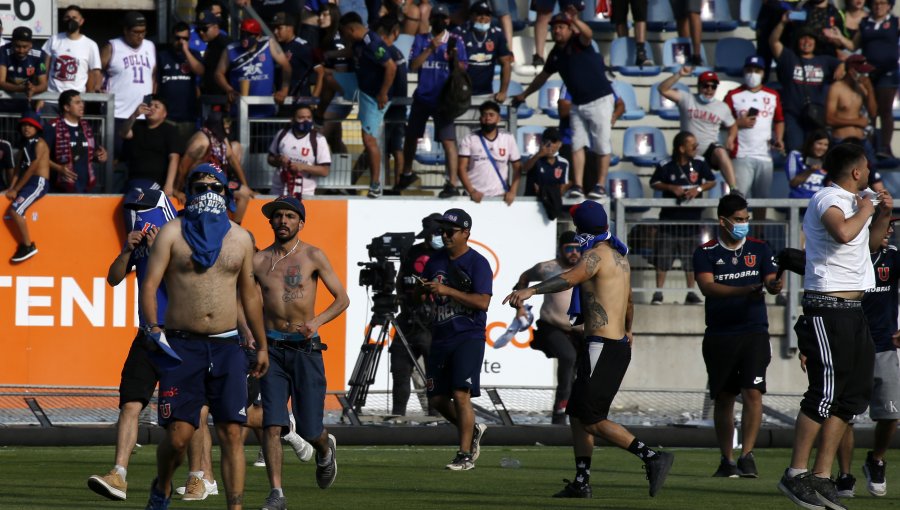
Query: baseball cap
x=568, y=237
x=32, y=119
x=560, y=18
x=755, y=61
x=859, y=64
x=251, y=26
x=430, y=225
x=139, y=199
x=456, y=217
x=134, y=19
x=590, y=217
x=481, y=7
x=440, y=10
x=282, y=19
x=708, y=76
x=21, y=34
x=285, y=202
x=207, y=168
x=207, y=18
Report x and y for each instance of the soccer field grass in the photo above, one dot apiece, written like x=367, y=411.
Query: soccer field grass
x=413, y=478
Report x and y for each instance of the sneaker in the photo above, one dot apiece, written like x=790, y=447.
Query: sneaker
x=559, y=419
x=641, y=59
x=537, y=60
x=874, y=471
x=746, y=466
x=692, y=299
x=726, y=470
x=275, y=502
x=260, y=459
x=194, y=489
x=575, y=192
x=24, y=253
x=477, y=435
x=696, y=60
x=375, y=190
x=826, y=492
x=158, y=500
x=110, y=485
x=212, y=488
x=597, y=191
x=303, y=449
x=462, y=462
x=575, y=490
x=799, y=489
x=657, y=298
x=448, y=191
x=405, y=181
x=326, y=474
x=846, y=485
x=657, y=468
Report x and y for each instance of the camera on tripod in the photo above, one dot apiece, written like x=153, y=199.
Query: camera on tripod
x=380, y=273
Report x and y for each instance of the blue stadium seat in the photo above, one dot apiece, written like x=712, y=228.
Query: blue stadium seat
x=675, y=53
x=597, y=21
x=348, y=84
x=624, y=90
x=731, y=52
x=529, y=140
x=518, y=23
x=896, y=106
x=625, y=184
x=750, y=12
x=644, y=146
x=716, y=16
x=622, y=56
x=659, y=16
x=404, y=43
x=548, y=96
x=781, y=188
x=428, y=150
x=515, y=88
x=661, y=106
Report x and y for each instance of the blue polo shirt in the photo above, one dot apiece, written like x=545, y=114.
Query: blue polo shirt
x=545, y=173
x=21, y=70
x=453, y=320
x=748, y=265
x=300, y=54
x=880, y=303
x=695, y=173
x=582, y=70
x=436, y=69
x=177, y=84
x=879, y=42
x=370, y=55
x=484, y=50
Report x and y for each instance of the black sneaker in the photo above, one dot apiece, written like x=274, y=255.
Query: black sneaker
x=405, y=181
x=696, y=60
x=462, y=462
x=874, y=471
x=575, y=490
x=24, y=253
x=657, y=298
x=846, y=485
x=477, y=434
x=826, y=492
x=575, y=192
x=726, y=470
x=559, y=419
x=537, y=60
x=692, y=299
x=326, y=474
x=800, y=490
x=641, y=59
x=657, y=468
x=448, y=191
x=597, y=191
x=746, y=466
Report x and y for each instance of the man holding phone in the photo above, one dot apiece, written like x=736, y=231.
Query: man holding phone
x=154, y=146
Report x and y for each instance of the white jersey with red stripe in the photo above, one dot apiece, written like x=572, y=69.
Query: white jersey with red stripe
x=754, y=142
x=130, y=74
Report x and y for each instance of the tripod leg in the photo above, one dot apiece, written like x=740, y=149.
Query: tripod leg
x=412, y=357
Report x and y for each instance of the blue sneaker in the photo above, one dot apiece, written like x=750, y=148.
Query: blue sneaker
x=158, y=500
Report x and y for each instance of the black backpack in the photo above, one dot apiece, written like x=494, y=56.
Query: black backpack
x=456, y=96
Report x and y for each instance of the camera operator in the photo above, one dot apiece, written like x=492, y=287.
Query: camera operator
x=412, y=320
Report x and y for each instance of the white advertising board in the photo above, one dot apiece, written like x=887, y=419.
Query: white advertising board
x=38, y=15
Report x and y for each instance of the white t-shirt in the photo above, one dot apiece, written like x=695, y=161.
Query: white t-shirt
x=754, y=142
x=70, y=61
x=481, y=171
x=130, y=75
x=299, y=150
x=832, y=266
x=703, y=120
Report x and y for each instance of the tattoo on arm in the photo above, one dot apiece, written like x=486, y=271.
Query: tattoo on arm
x=591, y=261
x=235, y=499
x=597, y=316
x=555, y=284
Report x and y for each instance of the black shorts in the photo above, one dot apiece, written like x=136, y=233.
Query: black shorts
x=708, y=154
x=840, y=361
x=620, y=11
x=681, y=8
x=596, y=384
x=554, y=342
x=139, y=374
x=675, y=242
x=736, y=362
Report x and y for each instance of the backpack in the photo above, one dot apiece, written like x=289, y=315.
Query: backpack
x=456, y=96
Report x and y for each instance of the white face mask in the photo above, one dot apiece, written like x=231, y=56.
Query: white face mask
x=753, y=80
x=437, y=242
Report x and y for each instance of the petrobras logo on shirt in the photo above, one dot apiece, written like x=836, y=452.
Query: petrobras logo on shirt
x=738, y=275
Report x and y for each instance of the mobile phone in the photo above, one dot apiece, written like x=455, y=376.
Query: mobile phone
x=797, y=15
x=752, y=112
x=147, y=99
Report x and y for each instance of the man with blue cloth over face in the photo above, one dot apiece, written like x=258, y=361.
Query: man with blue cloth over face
x=601, y=299
x=202, y=257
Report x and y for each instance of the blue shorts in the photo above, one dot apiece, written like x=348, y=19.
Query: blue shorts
x=886, y=79
x=34, y=189
x=501, y=8
x=213, y=371
x=298, y=373
x=455, y=365
x=370, y=116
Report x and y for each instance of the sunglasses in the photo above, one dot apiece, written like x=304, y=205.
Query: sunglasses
x=201, y=187
x=709, y=85
x=182, y=38
x=450, y=232
x=203, y=28
x=572, y=249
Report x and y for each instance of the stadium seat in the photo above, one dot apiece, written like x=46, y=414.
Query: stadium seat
x=731, y=52
x=896, y=106
x=716, y=16
x=644, y=146
x=523, y=50
x=781, y=188
x=750, y=12
x=548, y=96
x=404, y=43
x=524, y=111
x=598, y=21
x=676, y=51
x=529, y=140
x=720, y=189
x=622, y=56
x=625, y=184
x=428, y=150
x=661, y=106
x=624, y=90
x=349, y=85
x=659, y=16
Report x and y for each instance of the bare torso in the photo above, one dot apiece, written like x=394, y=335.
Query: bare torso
x=288, y=286
x=849, y=106
x=555, y=309
x=604, y=298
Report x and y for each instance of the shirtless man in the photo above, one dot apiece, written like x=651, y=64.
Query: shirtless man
x=203, y=257
x=603, y=301
x=850, y=108
x=288, y=272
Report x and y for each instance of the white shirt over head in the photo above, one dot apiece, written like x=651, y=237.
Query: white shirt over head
x=481, y=171
x=70, y=62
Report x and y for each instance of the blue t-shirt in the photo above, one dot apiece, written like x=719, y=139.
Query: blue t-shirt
x=879, y=42
x=370, y=55
x=582, y=70
x=544, y=173
x=436, y=69
x=256, y=66
x=484, y=50
x=880, y=303
x=748, y=265
x=21, y=70
x=452, y=320
x=300, y=54
x=400, y=86
x=803, y=78
x=78, y=145
x=695, y=173
x=796, y=165
x=156, y=217
x=177, y=84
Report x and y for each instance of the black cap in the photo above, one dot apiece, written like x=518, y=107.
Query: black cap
x=207, y=18
x=456, y=217
x=134, y=19
x=139, y=199
x=21, y=34
x=285, y=202
x=283, y=19
x=481, y=7
x=430, y=225
x=568, y=237
x=440, y=10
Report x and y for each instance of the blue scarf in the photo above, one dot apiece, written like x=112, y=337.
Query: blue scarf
x=204, y=226
x=587, y=242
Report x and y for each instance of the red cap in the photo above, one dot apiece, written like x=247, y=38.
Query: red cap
x=707, y=77
x=859, y=64
x=251, y=26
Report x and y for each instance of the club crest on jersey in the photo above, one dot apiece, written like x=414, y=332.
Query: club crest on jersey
x=489, y=45
x=304, y=151
x=502, y=152
x=884, y=273
x=750, y=260
x=557, y=172
x=693, y=176
x=165, y=410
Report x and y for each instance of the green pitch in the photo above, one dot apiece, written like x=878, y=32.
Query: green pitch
x=398, y=478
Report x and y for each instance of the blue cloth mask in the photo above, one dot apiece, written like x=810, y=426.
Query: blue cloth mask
x=302, y=127
x=204, y=226
x=588, y=241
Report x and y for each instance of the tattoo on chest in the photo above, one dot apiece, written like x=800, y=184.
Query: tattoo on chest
x=292, y=283
x=596, y=314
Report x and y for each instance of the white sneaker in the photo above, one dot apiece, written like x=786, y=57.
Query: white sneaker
x=260, y=459
x=303, y=449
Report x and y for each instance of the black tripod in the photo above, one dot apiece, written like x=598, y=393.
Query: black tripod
x=363, y=375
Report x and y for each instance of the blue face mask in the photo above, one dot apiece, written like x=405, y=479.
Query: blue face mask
x=303, y=126
x=481, y=27
x=739, y=230
x=204, y=226
x=437, y=242
x=703, y=99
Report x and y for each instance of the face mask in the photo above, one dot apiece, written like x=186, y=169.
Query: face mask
x=488, y=128
x=739, y=230
x=205, y=225
x=860, y=76
x=753, y=80
x=302, y=127
x=247, y=41
x=70, y=26
x=437, y=242
x=481, y=27
x=703, y=99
